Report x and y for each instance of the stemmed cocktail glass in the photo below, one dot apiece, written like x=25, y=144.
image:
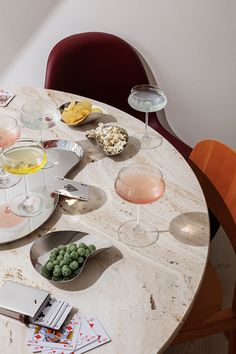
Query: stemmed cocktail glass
x=147, y=98
x=139, y=184
x=23, y=157
x=9, y=132
x=41, y=114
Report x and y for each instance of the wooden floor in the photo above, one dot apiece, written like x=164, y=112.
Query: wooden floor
x=223, y=258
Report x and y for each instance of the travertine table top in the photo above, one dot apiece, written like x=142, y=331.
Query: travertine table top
x=141, y=295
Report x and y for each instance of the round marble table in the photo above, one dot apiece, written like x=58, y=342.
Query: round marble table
x=141, y=295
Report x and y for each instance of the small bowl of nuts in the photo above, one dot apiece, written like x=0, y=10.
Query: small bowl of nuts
x=111, y=139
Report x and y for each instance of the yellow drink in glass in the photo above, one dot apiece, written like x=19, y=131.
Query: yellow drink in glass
x=24, y=160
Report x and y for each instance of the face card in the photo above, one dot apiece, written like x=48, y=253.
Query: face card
x=47, y=338
x=72, y=189
x=5, y=97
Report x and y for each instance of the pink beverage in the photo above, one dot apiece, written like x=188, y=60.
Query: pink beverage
x=8, y=136
x=140, y=187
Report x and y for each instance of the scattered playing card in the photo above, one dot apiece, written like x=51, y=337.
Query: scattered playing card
x=66, y=338
x=5, y=97
x=72, y=189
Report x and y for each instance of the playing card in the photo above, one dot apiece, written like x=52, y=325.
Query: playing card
x=72, y=189
x=48, y=313
x=96, y=326
x=63, y=317
x=66, y=338
x=5, y=97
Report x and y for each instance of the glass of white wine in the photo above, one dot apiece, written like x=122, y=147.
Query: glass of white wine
x=23, y=157
x=147, y=98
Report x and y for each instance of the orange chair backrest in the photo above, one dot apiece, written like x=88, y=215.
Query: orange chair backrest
x=215, y=167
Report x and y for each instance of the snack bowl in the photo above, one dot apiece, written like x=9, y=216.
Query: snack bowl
x=112, y=139
x=42, y=250
x=85, y=114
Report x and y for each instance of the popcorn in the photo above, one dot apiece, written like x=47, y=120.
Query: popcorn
x=112, y=139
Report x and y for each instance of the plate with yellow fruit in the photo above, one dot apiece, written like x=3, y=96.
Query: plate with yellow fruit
x=76, y=113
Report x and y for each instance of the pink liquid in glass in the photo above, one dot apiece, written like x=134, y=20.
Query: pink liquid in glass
x=140, y=187
x=8, y=219
x=8, y=136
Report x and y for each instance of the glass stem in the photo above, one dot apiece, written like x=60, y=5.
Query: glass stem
x=44, y=178
x=6, y=199
x=41, y=136
x=26, y=186
x=146, y=121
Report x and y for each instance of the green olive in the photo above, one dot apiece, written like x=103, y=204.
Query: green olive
x=74, y=265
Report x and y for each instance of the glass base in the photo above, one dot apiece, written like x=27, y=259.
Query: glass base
x=142, y=235
x=149, y=140
x=8, y=219
x=8, y=180
x=35, y=204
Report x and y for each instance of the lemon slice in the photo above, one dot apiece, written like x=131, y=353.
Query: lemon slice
x=96, y=110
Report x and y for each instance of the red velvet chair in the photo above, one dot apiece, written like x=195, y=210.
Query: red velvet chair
x=103, y=67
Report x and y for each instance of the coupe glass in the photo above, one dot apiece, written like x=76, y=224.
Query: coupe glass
x=23, y=157
x=9, y=132
x=147, y=98
x=41, y=114
x=139, y=184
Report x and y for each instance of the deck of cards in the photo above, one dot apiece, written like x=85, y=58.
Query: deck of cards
x=53, y=314
x=78, y=335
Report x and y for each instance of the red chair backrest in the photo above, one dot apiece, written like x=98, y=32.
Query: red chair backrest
x=96, y=65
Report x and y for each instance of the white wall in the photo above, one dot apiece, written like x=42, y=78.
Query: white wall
x=190, y=46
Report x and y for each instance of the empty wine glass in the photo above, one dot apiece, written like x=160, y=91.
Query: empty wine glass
x=23, y=157
x=139, y=184
x=41, y=114
x=147, y=98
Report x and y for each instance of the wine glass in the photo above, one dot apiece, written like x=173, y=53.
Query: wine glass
x=41, y=114
x=147, y=98
x=23, y=157
x=139, y=184
x=9, y=132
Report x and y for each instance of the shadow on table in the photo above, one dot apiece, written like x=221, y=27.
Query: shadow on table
x=190, y=228
x=93, y=269
x=92, y=153
x=97, y=198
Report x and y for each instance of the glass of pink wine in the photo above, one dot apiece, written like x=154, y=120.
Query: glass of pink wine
x=139, y=184
x=9, y=133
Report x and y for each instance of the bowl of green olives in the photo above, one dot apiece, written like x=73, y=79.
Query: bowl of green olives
x=61, y=256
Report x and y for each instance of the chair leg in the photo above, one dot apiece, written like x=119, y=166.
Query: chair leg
x=231, y=336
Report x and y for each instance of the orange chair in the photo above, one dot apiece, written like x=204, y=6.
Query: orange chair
x=215, y=167
x=103, y=67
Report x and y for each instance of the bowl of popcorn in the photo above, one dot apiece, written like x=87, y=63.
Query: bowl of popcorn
x=76, y=113
x=111, y=139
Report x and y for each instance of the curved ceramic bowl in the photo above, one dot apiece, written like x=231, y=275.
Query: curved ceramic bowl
x=86, y=119
x=41, y=248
